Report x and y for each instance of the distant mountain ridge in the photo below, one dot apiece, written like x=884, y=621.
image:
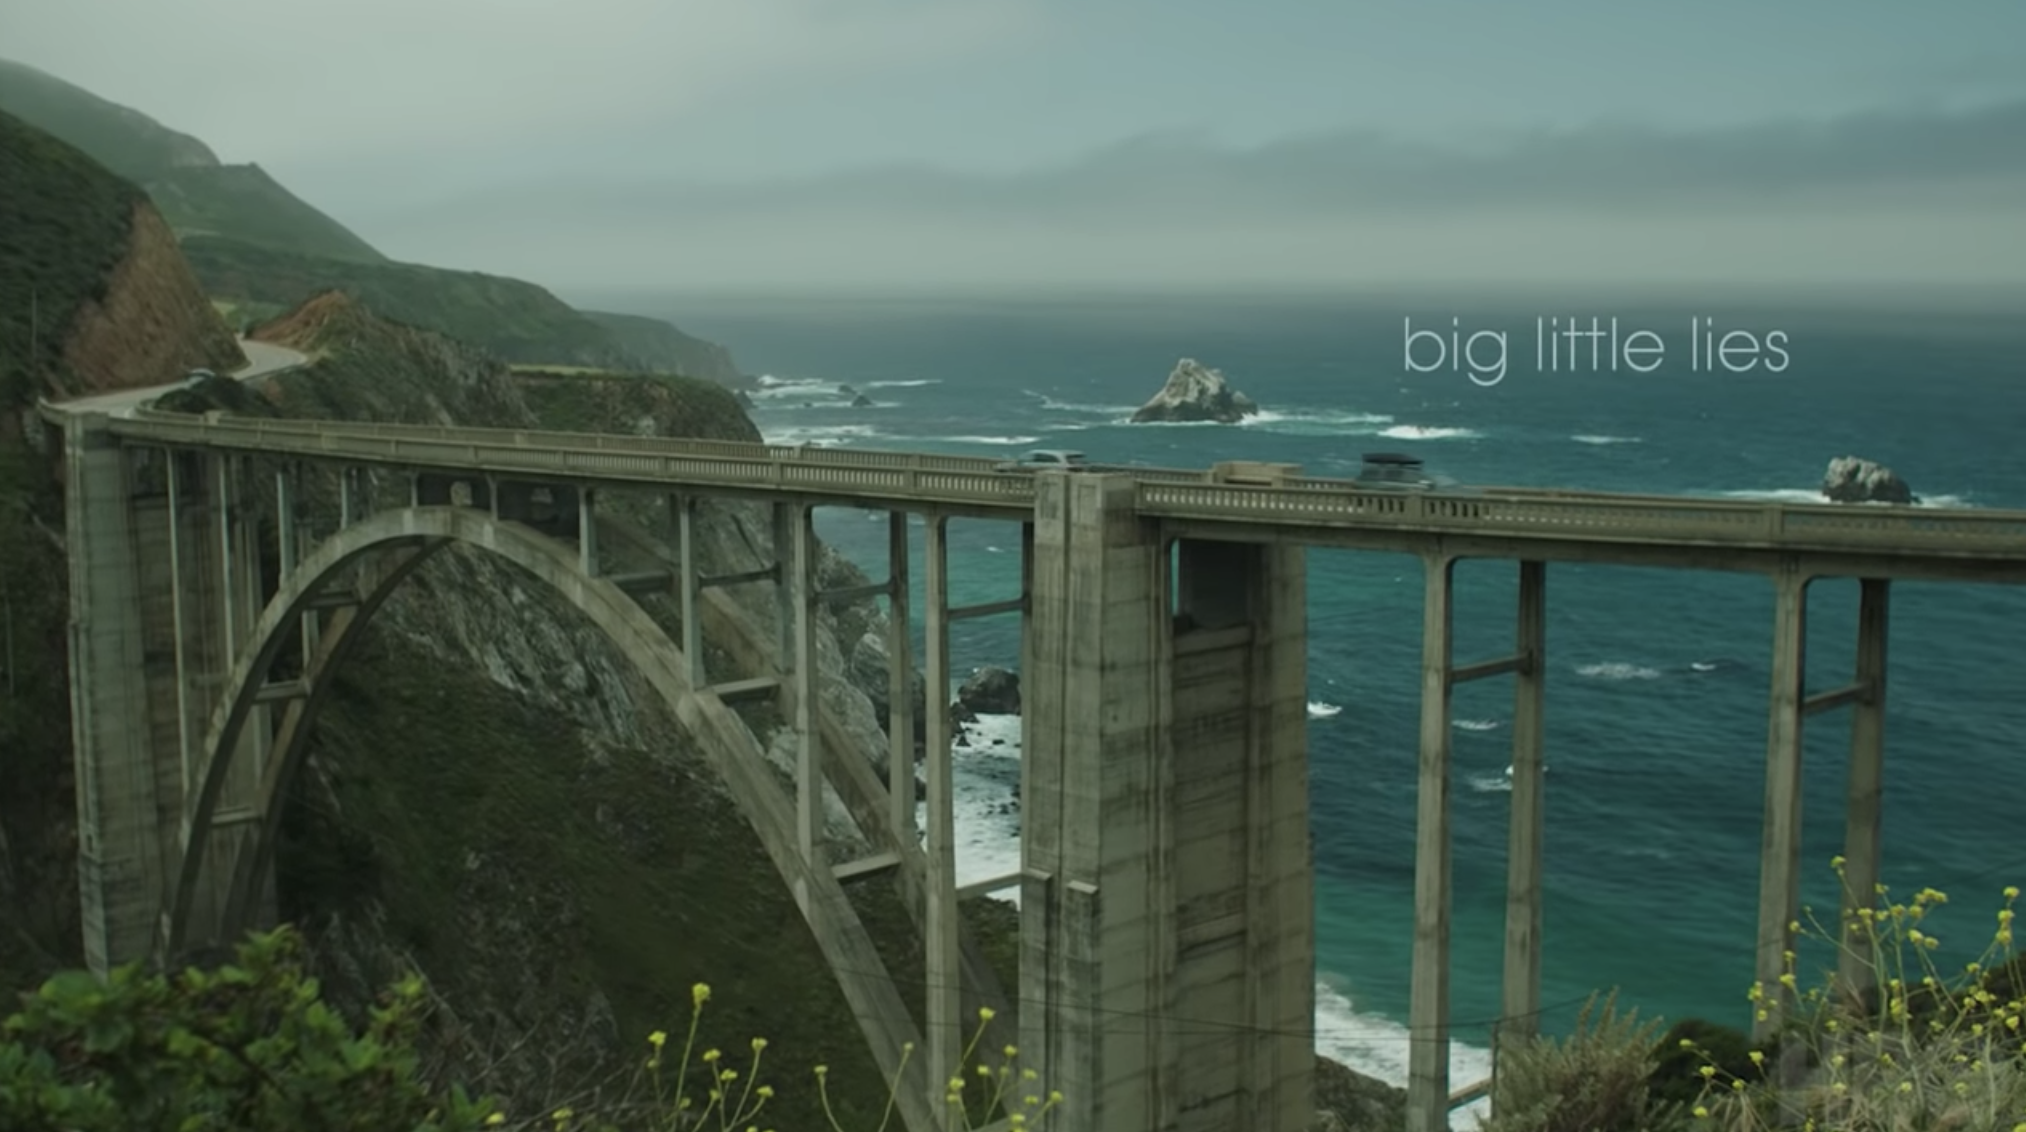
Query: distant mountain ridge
x=259, y=248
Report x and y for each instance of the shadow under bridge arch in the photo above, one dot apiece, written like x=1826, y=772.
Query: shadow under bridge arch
x=399, y=541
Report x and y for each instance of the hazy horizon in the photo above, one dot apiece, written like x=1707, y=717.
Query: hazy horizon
x=904, y=145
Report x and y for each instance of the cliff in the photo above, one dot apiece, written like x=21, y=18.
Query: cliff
x=659, y=347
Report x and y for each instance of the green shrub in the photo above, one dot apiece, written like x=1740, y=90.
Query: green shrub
x=1594, y=1080
x=246, y=1047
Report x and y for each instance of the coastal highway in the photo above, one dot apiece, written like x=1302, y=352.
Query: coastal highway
x=263, y=359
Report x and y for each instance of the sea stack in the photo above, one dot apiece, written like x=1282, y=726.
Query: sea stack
x=1195, y=392
x=1852, y=479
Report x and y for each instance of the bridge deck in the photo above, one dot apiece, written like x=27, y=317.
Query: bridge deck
x=1954, y=544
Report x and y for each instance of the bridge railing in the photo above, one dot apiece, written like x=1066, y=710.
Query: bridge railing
x=876, y=476
x=564, y=457
x=1630, y=518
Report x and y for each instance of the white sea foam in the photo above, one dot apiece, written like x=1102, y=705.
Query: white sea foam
x=1378, y=1048
x=1056, y=405
x=1491, y=784
x=1429, y=432
x=1477, y=725
x=910, y=383
x=821, y=436
x=1617, y=670
x=1810, y=495
x=988, y=846
x=1596, y=438
x=1320, y=710
x=1704, y=665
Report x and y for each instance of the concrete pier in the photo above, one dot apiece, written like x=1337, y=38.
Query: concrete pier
x=1164, y=792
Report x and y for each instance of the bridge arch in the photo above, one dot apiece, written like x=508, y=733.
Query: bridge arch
x=397, y=542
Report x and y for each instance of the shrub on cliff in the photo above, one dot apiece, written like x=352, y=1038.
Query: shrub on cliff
x=1593, y=1079
x=248, y=1046
x=1929, y=1051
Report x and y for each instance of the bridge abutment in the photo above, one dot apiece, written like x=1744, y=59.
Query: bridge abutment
x=1164, y=834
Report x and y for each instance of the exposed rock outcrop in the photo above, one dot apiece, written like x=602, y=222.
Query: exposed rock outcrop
x=991, y=691
x=861, y=401
x=1853, y=479
x=1352, y=1102
x=153, y=323
x=1195, y=392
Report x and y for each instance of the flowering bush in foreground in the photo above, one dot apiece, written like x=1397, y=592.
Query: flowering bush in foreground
x=251, y=1047
x=1932, y=1054
x=731, y=1099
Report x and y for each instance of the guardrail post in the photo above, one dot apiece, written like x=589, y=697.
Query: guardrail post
x=1780, y=853
x=1428, y=1009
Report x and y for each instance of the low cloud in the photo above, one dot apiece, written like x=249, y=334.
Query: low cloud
x=1883, y=195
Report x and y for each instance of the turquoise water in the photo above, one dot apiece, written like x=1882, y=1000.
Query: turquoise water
x=1656, y=703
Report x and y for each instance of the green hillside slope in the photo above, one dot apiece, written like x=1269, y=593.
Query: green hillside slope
x=661, y=348
x=193, y=190
x=64, y=221
x=515, y=321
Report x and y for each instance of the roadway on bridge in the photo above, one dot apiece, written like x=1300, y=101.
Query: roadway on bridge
x=263, y=359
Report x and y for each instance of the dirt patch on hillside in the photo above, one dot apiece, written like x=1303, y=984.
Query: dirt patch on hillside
x=154, y=322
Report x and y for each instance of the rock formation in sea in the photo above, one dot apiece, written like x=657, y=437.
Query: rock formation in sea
x=991, y=691
x=1195, y=392
x=1853, y=479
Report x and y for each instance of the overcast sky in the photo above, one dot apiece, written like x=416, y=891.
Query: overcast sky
x=598, y=143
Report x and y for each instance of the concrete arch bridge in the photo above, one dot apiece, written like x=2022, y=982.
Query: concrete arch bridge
x=1165, y=856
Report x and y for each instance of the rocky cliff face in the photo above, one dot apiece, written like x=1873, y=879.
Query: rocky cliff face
x=1195, y=392
x=152, y=324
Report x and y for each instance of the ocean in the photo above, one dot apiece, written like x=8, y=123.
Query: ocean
x=1656, y=713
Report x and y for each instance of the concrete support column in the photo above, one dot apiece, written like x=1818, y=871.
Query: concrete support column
x=800, y=585
x=1428, y=1010
x=1862, y=830
x=348, y=497
x=587, y=531
x=900, y=713
x=944, y=1027
x=1780, y=852
x=224, y=512
x=187, y=738
x=415, y=489
x=119, y=859
x=784, y=603
x=683, y=508
x=1092, y=699
x=1522, y=982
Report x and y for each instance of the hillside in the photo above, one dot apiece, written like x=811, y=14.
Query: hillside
x=261, y=250
x=660, y=348
x=93, y=294
x=194, y=190
x=515, y=321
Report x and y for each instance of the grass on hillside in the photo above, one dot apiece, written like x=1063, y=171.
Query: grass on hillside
x=242, y=202
x=129, y=143
x=514, y=320
x=590, y=401
x=65, y=224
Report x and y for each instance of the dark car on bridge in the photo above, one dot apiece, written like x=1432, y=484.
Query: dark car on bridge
x=1396, y=471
